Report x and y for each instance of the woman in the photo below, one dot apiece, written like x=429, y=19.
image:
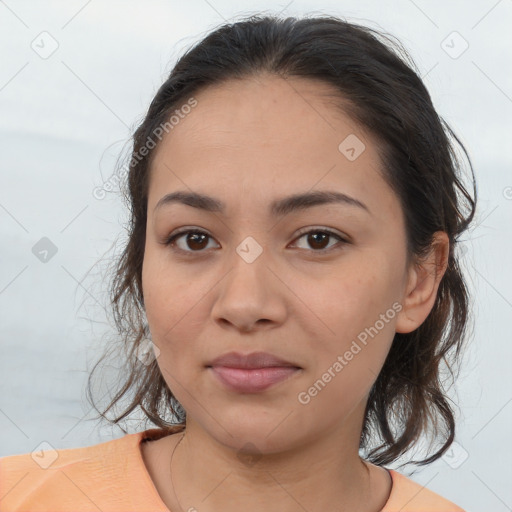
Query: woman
x=296, y=204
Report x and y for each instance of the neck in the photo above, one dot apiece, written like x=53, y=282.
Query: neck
x=322, y=474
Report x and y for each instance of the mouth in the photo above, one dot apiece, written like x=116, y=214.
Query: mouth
x=251, y=373
x=253, y=360
x=254, y=380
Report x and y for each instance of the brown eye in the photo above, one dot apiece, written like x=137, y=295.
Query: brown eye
x=194, y=241
x=317, y=239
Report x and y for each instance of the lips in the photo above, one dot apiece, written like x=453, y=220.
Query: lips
x=251, y=373
x=249, y=361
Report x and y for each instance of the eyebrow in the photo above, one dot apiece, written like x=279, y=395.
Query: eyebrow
x=279, y=207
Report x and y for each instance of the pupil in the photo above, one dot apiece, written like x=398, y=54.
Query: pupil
x=194, y=237
x=324, y=236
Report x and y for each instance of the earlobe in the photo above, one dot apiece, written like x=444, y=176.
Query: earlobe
x=422, y=285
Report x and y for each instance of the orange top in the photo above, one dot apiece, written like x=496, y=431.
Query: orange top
x=112, y=477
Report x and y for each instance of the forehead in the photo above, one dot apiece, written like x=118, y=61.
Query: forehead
x=265, y=111
x=265, y=134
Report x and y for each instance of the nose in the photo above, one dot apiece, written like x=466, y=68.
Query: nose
x=250, y=297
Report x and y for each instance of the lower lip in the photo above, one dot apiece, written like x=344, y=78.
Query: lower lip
x=252, y=380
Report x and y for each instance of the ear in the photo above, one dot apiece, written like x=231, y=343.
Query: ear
x=422, y=285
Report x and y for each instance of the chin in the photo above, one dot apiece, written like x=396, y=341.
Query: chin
x=250, y=433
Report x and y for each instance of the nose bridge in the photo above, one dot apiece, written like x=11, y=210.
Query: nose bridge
x=248, y=292
x=248, y=264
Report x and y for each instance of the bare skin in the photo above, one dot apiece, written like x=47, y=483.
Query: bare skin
x=156, y=457
x=248, y=143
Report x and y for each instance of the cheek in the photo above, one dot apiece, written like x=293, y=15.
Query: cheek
x=164, y=287
x=351, y=298
x=162, y=298
x=347, y=363
x=358, y=318
x=175, y=308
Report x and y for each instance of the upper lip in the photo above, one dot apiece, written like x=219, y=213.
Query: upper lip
x=252, y=360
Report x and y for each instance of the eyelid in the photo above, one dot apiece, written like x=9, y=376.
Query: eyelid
x=185, y=230
x=324, y=229
x=342, y=238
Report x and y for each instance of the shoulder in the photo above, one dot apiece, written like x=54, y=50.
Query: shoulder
x=408, y=495
x=61, y=477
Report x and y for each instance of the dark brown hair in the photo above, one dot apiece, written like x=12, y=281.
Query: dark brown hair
x=380, y=89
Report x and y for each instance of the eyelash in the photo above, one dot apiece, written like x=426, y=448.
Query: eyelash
x=171, y=239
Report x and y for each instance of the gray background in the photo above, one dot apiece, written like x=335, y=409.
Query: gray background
x=64, y=120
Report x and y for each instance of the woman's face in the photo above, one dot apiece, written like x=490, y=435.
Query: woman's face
x=258, y=282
